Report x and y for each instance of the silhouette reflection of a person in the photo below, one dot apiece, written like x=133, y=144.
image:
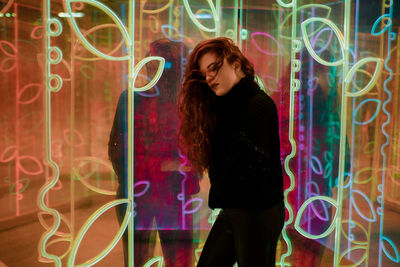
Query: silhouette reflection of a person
x=156, y=163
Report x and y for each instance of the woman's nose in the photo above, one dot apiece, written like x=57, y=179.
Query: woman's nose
x=209, y=77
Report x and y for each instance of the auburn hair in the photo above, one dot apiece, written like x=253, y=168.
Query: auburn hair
x=197, y=102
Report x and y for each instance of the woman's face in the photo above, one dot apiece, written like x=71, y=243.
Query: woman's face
x=220, y=76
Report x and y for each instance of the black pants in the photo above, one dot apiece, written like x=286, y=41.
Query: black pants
x=248, y=237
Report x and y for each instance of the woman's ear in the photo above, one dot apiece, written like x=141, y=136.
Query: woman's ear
x=236, y=66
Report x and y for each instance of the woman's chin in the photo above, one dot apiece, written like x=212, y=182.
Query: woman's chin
x=219, y=92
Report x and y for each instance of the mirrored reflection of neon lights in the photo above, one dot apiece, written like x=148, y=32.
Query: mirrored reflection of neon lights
x=44, y=256
x=386, y=19
x=214, y=14
x=85, y=227
x=294, y=86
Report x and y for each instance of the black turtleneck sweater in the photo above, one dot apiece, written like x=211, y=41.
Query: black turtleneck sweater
x=245, y=170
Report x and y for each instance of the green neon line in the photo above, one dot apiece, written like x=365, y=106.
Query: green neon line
x=214, y=13
x=85, y=42
x=304, y=7
x=85, y=227
x=342, y=144
x=356, y=67
x=43, y=254
x=293, y=88
x=301, y=211
x=157, y=76
x=158, y=259
x=307, y=42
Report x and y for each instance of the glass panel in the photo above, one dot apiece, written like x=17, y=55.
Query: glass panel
x=74, y=90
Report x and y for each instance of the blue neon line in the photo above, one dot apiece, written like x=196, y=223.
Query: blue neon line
x=310, y=123
x=383, y=129
x=362, y=103
x=300, y=124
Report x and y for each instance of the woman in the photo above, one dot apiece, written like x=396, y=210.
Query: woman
x=229, y=127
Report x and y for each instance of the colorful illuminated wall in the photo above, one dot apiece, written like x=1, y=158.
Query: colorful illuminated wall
x=73, y=73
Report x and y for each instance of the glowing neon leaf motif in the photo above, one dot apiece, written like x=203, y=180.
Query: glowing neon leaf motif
x=363, y=202
x=93, y=30
x=267, y=36
x=358, y=174
x=316, y=165
x=316, y=8
x=5, y=9
x=82, y=38
x=37, y=32
x=385, y=19
x=269, y=83
x=8, y=48
x=21, y=187
x=147, y=94
x=316, y=38
x=214, y=15
x=85, y=227
x=388, y=241
x=35, y=87
x=77, y=137
x=324, y=218
x=12, y=150
x=145, y=184
x=159, y=260
x=190, y=202
x=29, y=161
x=9, y=63
x=301, y=211
x=365, y=102
x=174, y=30
x=359, y=228
x=350, y=251
x=83, y=179
x=156, y=77
x=356, y=67
x=315, y=192
x=309, y=47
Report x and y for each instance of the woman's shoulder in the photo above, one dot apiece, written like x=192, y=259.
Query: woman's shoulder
x=260, y=101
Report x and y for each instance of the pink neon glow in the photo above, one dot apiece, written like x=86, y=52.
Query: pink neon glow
x=145, y=184
x=29, y=160
x=315, y=39
x=20, y=92
x=262, y=50
x=7, y=6
x=273, y=79
x=67, y=138
x=12, y=149
x=34, y=33
x=4, y=46
x=18, y=196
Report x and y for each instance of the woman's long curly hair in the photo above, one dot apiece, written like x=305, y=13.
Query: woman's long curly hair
x=197, y=102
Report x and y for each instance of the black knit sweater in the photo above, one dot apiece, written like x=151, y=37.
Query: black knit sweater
x=245, y=170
